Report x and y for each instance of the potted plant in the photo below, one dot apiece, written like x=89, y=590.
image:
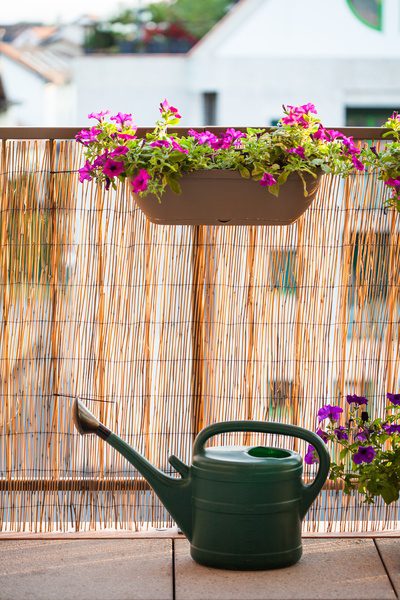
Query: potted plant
x=387, y=160
x=366, y=450
x=204, y=178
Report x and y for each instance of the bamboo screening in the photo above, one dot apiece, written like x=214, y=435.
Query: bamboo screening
x=164, y=330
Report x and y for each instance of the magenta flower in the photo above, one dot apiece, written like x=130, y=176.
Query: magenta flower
x=122, y=119
x=350, y=145
x=322, y=434
x=165, y=107
x=393, y=398
x=267, y=180
x=357, y=163
x=85, y=172
x=232, y=137
x=333, y=134
x=126, y=136
x=120, y=151
x=141, y=182
x=357, y=400
x=100, y=160
x=320, y=134
x=99, y=116
x=160, y=144
x=329, y=412
x=310, y=457
x=364, y=454
x=341, y=433
x=205, y=137
x=299, y=151
x=87, y=136
x=113, y=168
x=393, y=182
x=395, y=115
x=178, y=147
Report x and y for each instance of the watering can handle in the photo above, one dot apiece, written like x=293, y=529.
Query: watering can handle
x=310, y=491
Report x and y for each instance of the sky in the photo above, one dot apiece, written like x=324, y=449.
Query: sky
x=53, y=11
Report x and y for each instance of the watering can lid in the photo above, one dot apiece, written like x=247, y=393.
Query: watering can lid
x=249, y=460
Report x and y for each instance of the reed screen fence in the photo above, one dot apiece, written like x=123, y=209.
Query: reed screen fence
x=164, y=330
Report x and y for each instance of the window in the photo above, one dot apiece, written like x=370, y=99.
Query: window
x=210, y=108
x=368, y=12
x=282, y=271
x=367, y=117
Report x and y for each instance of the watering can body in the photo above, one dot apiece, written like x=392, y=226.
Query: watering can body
x=240, y=507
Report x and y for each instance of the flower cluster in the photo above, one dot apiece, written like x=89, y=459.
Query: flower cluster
x=368, y=450
x=387, y=160
x=299, y=144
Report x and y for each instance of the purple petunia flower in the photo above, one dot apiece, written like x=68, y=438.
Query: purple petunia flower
x=99, y=116
x=141, y=182
x=113, y=168
x=204, y=137
x=85, y=172
x=299, y=151
x=364, y=454
x=329, y=412
x=391, y=428
x=334, y=135
x=357, y=400
x=267, y=180
x=393, y=398
x=341, y=433
x=395, y=115
x=322, y=434
x=362, y=435
x=310, y=457
x=232, y=137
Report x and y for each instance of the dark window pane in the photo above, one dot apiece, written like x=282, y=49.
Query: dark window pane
x=210, y=108
x=368, y=117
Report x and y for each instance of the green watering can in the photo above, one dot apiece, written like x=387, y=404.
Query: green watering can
x=240, y=507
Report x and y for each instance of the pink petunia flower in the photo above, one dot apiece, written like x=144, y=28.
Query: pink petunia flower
x=267, y=180
x=113, y=168
x=178, y=147
x=141, y=182
x=87, y=136
x=122, y=119
x=166, y=107
x=299, y=151
x=126, y=136
x=120, y=151
x=393, y=182
x=99, y=116
x=85, y=173
x=357, y=163
x=160, y=144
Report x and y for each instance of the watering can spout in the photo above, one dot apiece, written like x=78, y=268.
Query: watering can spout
x=175, y=494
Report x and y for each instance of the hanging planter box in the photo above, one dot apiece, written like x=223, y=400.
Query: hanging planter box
x=221, y=197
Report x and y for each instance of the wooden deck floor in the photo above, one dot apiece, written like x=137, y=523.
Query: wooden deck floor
x=131, y=567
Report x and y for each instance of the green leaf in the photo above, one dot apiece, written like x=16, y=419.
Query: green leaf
x=244, y=171
x=343, y=453
x=174, y=184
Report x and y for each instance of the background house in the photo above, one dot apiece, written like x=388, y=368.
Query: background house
x=342, y=55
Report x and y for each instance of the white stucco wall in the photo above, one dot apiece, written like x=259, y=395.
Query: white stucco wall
x=131, y=84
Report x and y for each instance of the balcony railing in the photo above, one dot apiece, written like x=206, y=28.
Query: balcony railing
x=178, y=328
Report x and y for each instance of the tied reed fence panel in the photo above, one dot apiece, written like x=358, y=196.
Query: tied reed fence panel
x=164, y=330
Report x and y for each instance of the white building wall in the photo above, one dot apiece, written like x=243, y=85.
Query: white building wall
x=131, y=84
